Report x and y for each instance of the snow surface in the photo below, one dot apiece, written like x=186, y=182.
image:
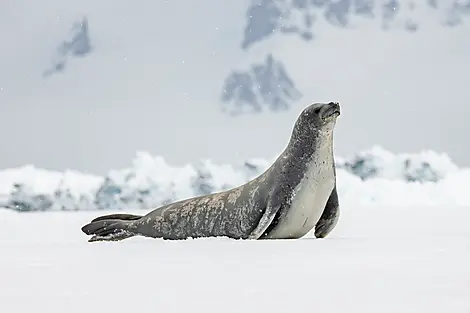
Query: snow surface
x=378, y=259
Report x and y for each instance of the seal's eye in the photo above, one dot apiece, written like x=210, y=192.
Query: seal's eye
x=317, y=110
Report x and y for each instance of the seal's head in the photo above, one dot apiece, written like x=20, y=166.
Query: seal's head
x=317, y=116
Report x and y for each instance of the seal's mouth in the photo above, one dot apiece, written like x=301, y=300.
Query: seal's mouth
x=331, y=110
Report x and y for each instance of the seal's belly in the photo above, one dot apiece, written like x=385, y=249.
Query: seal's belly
x=308, y=203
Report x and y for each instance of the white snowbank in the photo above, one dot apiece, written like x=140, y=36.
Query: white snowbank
x=370, y=177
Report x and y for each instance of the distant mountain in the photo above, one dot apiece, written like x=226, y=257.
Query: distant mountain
x=265, y=18
x=265, y=84
x=78, y=45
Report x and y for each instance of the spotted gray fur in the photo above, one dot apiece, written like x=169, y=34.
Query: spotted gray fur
x=297, y=192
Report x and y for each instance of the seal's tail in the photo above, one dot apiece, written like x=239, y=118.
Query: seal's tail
x=111, y=227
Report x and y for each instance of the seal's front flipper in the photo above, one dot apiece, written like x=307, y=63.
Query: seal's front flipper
x=264, y=222
x=329, y=217
x=110, y=228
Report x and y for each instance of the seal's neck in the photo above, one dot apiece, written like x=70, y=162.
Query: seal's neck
x=313, y=143
x=325, y=137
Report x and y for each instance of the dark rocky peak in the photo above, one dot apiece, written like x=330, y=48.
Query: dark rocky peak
x=265, y=18
x=77, y=45
x=265, y=85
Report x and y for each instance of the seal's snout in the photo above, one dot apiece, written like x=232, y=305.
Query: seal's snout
x=330, y=109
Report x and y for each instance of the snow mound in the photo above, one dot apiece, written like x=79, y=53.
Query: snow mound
x=375, y=177
x=380, y=163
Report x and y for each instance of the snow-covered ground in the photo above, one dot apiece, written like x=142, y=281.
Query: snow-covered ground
x=378, y=259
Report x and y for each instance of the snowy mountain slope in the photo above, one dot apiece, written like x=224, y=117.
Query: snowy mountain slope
x=384, y=259
x=151, y=76
x=266, y=18
x=371, y=177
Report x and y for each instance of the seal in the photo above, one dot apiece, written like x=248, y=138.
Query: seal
x=294, y=195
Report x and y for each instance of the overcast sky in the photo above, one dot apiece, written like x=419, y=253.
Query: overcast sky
x=155, y=75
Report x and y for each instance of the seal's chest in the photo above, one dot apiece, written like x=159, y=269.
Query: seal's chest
x=308, y=200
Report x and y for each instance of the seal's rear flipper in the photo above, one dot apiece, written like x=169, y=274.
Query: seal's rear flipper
x=127, y=217
x=115, y=236
x=112, y=227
